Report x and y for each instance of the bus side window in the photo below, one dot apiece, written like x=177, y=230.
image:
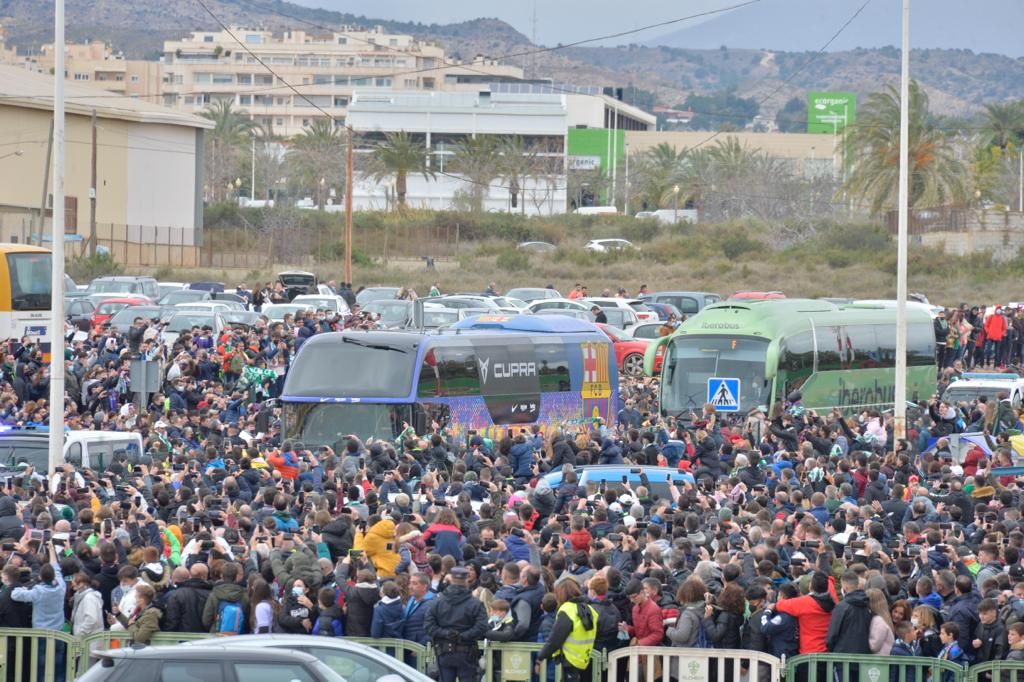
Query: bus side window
x=920, y=345
x=797, y=360
x=74, y=454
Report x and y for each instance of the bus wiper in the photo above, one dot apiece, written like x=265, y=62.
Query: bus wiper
x=374, y=346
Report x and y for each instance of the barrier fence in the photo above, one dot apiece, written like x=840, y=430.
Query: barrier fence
x=31, y=655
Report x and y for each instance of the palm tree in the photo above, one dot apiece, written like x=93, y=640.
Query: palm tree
x=1004, y=124
x=515, y=161
x=318, y=154
x=477, y=160
x=659, y=170
x=937, y=177
x=399, y=155
x=232, y=131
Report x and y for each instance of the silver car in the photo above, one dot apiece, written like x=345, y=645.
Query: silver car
x=353, y=661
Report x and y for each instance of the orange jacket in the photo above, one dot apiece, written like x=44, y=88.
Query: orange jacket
x=288, y=466
x=995, y=327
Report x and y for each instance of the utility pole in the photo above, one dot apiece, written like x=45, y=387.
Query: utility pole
x=1020, y=201
x=46, y=186
x=56, y=435
x=92, y=192
x=252, y=187
x=900, y=411
x=348, y=207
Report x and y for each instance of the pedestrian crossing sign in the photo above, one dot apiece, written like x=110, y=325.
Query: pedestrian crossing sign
x=724, y=394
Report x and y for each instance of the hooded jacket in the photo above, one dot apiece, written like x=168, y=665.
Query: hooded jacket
x=86, y=612
x=387, y=619
x=339, y=537
x=850, y=626
x=301, y=563
x=292, y=613
x=184, y=605
x=229, y=592
x=360, y=600
x=521, y=460
x=457, y=612
x=610, y=453
x=381, y=548
x=813, y=613
x=562, y=453
x=687, y=626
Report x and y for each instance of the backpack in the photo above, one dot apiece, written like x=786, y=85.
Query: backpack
x=230, y=618
x=703, y=640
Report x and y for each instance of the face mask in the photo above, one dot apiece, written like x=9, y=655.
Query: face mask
x=298, y=591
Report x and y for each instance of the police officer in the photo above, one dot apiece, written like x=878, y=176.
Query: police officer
x=573, y=634
x=456, y=623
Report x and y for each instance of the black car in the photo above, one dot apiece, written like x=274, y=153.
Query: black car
x=197, y=663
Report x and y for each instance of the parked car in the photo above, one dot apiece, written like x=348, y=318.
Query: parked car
x=622, y=318
x=629, y=352
x=545, y=304
x=485, y=303
x=240, y=319
x=275, y=312
x=645, y=330
x=394, y=314
x=369, y=294
x=317, y=302
x=125, y=318
x=687, y=302
x=204, y=307
x=584, y=315
x=664, y=310
x=531, y=294
x=183, y=321
x=79, y=312
x=353, y=661
x=185, y=296
x=207, y=663
x=609, y=245
x=212, y=287
x=436, y=318
x=536, y=247
x=145, y=286
x=643, y=313
x=106, y=309
x=297, y=283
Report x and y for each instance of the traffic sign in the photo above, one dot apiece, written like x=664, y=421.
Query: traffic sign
x=724, y=394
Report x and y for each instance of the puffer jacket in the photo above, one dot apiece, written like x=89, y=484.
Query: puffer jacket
x=359, y=601
x=338, y=536
x=687, y=626
x=142, y=626
x=229, y=592
x=851, y=624
x=301, y=563
x=521, y=460
x=610, y=453
x=562, y=453
x=381, y=548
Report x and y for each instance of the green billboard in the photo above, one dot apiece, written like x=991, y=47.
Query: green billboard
x=830, y=112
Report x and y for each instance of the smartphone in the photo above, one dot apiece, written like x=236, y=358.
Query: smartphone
x=409, y=518
x=7, y=547
x=625, y=479
x=355, y=553
x=315, y=529
x=556, y=538
x=289, y=536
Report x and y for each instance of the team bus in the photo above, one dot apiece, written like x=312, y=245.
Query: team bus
x=764, y=351
x=488, y=374
x=25, y=292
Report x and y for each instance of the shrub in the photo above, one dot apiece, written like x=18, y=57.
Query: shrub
x=513, y=260
x=84, y=269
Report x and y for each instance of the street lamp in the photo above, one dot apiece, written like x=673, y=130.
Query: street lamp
x=675, y=204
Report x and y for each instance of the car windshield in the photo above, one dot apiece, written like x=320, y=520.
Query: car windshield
x=184, y=296
x=240, y=317
x=297, y=279
x=181, y=323
x=432, y=319
x=109, y=308
x=376, y=294
x=527, y=294
x=127, y=317
x=391, y=312
x=112, y=286
x=693, y=360
x=277, y=312
x=968, y=393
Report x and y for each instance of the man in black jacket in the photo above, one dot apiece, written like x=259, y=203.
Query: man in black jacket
x=456, y=622
x=184, y=603
x=990, y=637
x=851, y=620
x=13, y=614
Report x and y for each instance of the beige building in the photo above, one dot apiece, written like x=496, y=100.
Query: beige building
x=149, y=165
x=325, y=71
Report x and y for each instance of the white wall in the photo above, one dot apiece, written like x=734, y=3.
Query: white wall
x=585, y=111
x=538, y=198
x=161, y=176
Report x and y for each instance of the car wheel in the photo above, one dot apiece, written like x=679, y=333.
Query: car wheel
x=633, y=365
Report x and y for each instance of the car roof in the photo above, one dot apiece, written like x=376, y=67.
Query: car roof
x=122, y=278
x=207, y=650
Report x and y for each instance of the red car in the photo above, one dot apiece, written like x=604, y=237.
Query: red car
x=109, y=307
x=629, y=352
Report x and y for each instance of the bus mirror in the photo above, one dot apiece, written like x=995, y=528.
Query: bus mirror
x=421, y=424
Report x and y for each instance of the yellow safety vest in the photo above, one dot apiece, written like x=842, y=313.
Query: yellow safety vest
x=580, y=642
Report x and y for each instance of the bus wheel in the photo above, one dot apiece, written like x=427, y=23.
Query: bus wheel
x=633, y=365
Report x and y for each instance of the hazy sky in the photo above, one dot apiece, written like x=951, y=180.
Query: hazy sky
x=557, y=20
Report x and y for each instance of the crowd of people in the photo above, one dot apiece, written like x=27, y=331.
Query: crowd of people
x=788, y=533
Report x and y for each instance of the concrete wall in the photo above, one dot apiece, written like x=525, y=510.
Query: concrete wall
x=537, y=197
x=999, y=232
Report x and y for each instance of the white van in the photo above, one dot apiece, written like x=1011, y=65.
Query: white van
x=84, y=449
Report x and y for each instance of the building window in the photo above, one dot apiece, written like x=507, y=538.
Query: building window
x=81, y=76
x=202, y=78
x=280, y=101
x=428, y=83
x=245, y=100
x=264, y=79
x=410, y=82
x=383, y=83
x=305, y=123
x=224, y=79
x=207, y=39
x=133, y=79
x=393, y=41
x=243, y=78
x=253, y=38
x=189, y=99
x=341, y=101
x=279, y=121
x=360, y=82
x=341, y=80
x=322, y=79
x=342, y=40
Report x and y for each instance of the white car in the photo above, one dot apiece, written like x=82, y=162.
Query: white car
x=184, y=320
x=643, y=313
x=487, y=304
x=203, y=306
x=275, y=312
x=608, y=245
x=318, y=302
x=531, y=294
x=548, y=304
x=647, y=331
x=973, y=385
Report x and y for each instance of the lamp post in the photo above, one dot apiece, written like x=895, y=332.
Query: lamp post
x=55, y=440
x=675, y=204
x=900, y=397
x=252, y=188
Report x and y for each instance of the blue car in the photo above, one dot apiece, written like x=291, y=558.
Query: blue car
x=660, y=478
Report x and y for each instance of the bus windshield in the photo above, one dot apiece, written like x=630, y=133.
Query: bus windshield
x=352, y=368
x=30, y=280
x=318, y=424
x=695, y=359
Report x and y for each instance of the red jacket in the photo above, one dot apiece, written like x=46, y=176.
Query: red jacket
x=647, y=624
x=812, y=620
x=288, y=471
x=580, y=540
x=995, y=327
x=974, y=456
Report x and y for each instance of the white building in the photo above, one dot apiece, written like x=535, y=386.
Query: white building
x=442, y=119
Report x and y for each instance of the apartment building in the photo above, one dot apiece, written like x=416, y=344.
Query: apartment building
x=313, y=74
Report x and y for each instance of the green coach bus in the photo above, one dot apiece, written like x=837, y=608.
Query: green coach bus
x=740, y=355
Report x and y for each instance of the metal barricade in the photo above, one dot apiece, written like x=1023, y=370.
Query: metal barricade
x=37, y=655
x=517, y=662
x=866, y=668
x=684, y=664
x=996, y=671
x=412, y=654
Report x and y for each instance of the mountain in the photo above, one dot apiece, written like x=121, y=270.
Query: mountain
x=986, y=26
x=958, y=81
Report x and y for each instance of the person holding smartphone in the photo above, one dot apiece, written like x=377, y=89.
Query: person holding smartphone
x=47, y=599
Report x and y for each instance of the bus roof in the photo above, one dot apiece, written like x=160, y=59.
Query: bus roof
x=776, y=317
x=7, y=247
x=533, y=324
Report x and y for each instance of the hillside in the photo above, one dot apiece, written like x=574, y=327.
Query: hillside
x=957, y=80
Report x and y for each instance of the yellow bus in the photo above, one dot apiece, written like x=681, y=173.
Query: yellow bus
x=25, y=293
